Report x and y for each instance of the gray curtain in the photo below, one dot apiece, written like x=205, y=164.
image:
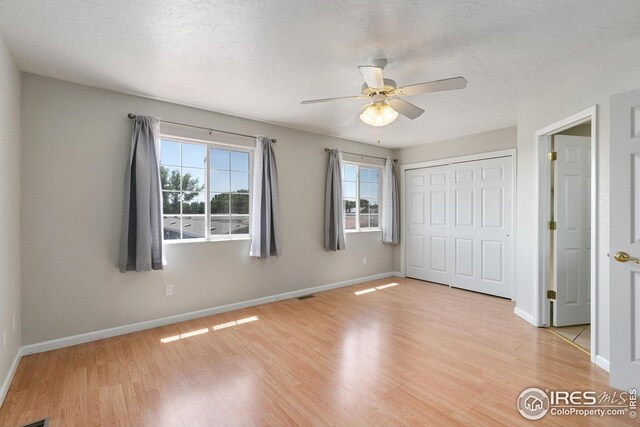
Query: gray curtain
x=333, y=217
x=390, y=205
x=265, y=214
x=141, y=242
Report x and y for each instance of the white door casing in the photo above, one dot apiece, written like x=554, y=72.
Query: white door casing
x=427, y=224
x=573, y=234
x=624, y=284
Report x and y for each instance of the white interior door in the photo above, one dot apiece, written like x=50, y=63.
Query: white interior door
x=624, y=284
x=427, y=224
x=573, y=233
x=481, y=226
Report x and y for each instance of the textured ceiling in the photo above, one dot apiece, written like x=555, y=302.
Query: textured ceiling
x=259, y=59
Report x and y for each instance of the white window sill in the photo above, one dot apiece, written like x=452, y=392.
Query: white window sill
x=212, y=240
x=366, y=230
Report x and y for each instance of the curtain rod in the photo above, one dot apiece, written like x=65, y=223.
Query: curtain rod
x=133, y=116
x=362, y=155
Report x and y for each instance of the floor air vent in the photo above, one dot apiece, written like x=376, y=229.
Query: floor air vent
x=40, y=423
x=306, y=296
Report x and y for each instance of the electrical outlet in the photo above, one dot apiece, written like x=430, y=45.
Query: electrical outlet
x=364, y=259
x=379, y=259
x=4, y=339
x=13, y=322
x=168, y=290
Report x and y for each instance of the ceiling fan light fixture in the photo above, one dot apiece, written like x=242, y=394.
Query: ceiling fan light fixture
x=378, y=114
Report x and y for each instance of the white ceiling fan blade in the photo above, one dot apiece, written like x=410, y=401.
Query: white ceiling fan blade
x=434, y=86
x=406, y=108
x=340, y=98
x=372, y=76
x=355, y=116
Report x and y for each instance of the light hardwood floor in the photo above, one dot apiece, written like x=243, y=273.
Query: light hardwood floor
x=412, y=354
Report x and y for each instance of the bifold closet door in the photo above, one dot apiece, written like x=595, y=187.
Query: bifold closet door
x=481, y=226
x=427, y=226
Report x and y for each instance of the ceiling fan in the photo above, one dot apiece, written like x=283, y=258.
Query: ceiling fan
x=385, y=97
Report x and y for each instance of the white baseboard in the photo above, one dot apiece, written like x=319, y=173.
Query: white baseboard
x=397, y=274
x=135, y=327
x=602, y=362
x=523, y=314
x=4, y=388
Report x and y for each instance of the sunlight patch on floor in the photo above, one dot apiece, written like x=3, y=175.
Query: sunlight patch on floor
x=205, y=330
x=366, y=291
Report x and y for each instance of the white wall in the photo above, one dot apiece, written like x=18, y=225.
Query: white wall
x=499, y=139
x=594, y=87
x=76, y=143
x=10, y=211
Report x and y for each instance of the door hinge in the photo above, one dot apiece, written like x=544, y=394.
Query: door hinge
x=551, y=294
x=552, y=225
x=552, y=155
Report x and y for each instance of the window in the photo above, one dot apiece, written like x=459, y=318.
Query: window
x=205, y=190
x=361, y=196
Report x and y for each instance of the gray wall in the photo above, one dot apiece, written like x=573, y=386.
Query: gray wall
x=580, y=130
x=499, y=139
x=75, y=142
x=10, y=212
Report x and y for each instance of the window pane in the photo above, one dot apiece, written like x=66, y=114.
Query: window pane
x=170, y=178
x=219, y=159
x=350, y=222
x=193, y=227
x=374, y=175
x=239, y=161
x=220, y=182
x=373, y=191
x=170, y=202
x=373, y=206
x=219, y=225
x=193, y=155
x=220, y=203
x=192, y=179
x=170, y=153
x=364, y=205
x=348, y=189
x=239, y=182
x=364, y=221
x=239, y=225
x=193, y=203
x=349, y=206
x=364, y=175
x=240, y=204
x=349, y=172
x=373, y=221
x=171, y=227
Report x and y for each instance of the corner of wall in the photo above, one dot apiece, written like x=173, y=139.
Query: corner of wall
x=10, y=244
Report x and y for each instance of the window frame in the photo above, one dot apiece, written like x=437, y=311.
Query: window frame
x=207, y=189
x=359, y=229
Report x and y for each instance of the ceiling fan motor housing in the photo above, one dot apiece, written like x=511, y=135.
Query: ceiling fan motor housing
x=389, y=86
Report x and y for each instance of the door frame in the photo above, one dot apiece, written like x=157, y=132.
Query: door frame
x=542, y=310
x=512, y=152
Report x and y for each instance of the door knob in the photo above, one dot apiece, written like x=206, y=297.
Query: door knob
x=624, y=257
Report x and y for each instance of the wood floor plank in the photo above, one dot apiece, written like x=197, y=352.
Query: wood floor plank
x=411, y=354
